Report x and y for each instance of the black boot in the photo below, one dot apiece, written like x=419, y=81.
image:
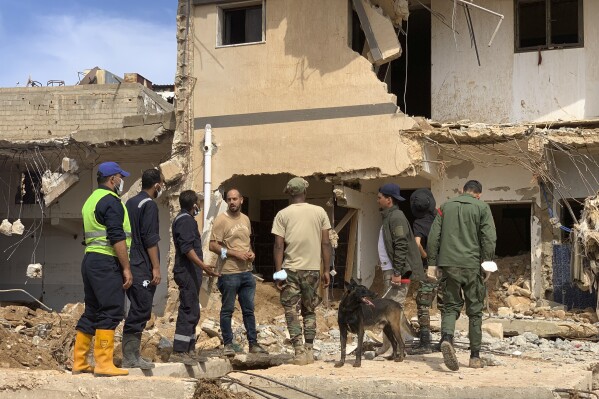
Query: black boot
x=449, y=357
x=424, y=345
x=131, y=356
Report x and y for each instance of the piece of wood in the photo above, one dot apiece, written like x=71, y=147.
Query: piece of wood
x=350, y=213
x=351, y=248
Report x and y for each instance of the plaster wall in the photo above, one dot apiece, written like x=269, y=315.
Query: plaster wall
x=502, y=179
x=578, y=176
x=508, y=86
x=305, y=63
x=60, y=251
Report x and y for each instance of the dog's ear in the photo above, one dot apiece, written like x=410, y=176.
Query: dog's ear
x=347, y=285
x=353, y=282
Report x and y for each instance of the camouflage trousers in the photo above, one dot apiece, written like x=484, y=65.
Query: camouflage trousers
x=300, y=294
x=424, y=300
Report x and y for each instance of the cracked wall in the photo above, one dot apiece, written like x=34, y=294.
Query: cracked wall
x=302, y=102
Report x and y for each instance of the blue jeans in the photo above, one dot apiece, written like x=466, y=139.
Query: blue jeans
x=242, y=285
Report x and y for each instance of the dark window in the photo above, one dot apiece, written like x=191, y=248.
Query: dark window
x=546, y=24
x=241, y=25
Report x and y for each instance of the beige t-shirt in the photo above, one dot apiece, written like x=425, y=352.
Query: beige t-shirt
x=301, y=226
x=234, y=233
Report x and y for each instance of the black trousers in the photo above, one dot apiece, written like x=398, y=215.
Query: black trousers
x=141, y=296
x=189, y=283
x=104, y=293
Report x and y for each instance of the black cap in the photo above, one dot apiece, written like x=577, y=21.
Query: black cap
x=422, y=202
x=391, y=190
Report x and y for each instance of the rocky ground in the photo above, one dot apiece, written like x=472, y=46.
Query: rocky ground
x=36, y=339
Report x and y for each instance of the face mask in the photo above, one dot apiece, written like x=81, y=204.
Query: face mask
x=196, y=211
x=120, y=187
x=159, y=191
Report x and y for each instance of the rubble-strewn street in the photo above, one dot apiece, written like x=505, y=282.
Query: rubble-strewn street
x=39, y=340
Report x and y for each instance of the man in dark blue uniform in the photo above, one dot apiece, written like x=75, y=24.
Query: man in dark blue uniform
x=145, y=266
x=188, y=276
x=105, y=270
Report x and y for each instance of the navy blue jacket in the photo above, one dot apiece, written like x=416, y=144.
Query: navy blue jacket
x=186, y=237
x=145, y=229
x=110, y=213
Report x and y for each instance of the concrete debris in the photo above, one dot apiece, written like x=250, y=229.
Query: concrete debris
x=17, y=227
x=6, y=227
x=34, y=270
x=55, y=185
x=69, y=165
x=172, y=170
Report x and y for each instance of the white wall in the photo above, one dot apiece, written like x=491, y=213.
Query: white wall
x=508, y=86
x=59, y=251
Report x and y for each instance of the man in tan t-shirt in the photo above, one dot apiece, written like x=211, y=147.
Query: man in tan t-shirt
x=302, y=238
x=230, y=240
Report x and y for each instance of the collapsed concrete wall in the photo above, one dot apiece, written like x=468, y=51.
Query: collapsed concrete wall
x=42, y=113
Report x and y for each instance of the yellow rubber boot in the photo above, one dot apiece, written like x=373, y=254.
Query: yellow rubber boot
x=103, y=352
x=80, y=351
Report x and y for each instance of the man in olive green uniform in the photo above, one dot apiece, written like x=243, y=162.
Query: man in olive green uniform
x=398, y=252
x=462, y=236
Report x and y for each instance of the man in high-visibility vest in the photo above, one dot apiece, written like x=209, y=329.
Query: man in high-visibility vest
x=106, y=272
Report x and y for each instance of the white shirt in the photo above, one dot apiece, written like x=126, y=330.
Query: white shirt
x=383, y=257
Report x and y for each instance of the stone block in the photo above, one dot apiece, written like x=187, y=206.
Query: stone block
x=519, y=303
x=505, y=312
x=495, y=330
x=69, y=165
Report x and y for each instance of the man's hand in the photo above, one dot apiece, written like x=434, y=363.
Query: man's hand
x=209, y=270
x=252, y=256
x=156, y=276
x=396, y=280
x=280, y=284
x=240, y=255
x=127, y=278
x=432, y=273
x=326, y=279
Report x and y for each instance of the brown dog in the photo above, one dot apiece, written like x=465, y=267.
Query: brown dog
x=359, y=309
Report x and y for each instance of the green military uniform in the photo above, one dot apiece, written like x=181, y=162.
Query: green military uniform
x=462, y=236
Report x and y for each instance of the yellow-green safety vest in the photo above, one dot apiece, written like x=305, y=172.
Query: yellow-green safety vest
x=96, y=238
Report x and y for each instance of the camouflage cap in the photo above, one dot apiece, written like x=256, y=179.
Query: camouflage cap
x=296, y=186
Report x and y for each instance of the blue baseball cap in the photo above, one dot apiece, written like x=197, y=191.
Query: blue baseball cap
x=391, y=190
x=111, y=168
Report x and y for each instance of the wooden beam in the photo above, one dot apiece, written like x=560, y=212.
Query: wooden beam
x=351, y=248
x=350, y=213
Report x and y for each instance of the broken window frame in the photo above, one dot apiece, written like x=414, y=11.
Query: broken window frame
x=222, y=9
x=548, y=45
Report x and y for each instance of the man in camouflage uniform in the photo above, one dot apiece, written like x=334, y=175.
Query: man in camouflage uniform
x=423, y=207
x=461, y=238
x=301, y=240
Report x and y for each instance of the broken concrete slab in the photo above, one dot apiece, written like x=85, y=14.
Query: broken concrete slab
x=256, y=360
x=213, y=368
x=55, y=185
x=542, y=328
x=495, y=330
x=133, y=120
x=171, y=170
x=422, y=377
x=59, y=385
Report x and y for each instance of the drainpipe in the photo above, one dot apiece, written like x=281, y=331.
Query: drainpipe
x=207, y=171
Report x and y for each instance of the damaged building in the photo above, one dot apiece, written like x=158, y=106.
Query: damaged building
x=352, y=94
x=51, y=141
